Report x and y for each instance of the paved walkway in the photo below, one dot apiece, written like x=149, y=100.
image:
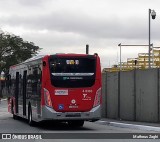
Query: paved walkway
x=131, y=124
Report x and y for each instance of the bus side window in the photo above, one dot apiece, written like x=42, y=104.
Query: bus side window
x=40, y=74
x=8, y=80
x=34, y=81
x=29, y=85
x=8, y=84
x=39, y=81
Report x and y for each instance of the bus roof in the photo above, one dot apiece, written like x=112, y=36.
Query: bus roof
x=57, y=54
x=34, y=58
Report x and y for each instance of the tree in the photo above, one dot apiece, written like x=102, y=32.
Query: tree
x=13, y=50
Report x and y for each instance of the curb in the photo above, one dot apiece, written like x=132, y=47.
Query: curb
x=131, y=126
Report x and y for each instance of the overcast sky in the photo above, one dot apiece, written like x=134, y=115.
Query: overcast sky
x=66, y=26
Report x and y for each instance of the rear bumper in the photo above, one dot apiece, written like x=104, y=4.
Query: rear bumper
x=50, y=114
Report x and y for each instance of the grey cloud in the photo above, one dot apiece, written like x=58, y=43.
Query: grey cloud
x=31, y=2
x=84, y=25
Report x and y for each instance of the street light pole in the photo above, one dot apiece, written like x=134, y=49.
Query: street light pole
x=153, y=14
x=149, y=51
x=120, y=57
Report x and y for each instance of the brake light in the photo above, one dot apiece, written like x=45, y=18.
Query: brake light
x=47, y=98
x=97, y=100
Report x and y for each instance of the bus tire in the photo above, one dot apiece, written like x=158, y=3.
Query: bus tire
x=30, y=121
x=76, y=123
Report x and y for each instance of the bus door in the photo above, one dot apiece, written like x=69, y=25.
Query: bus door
x=24, y=91
x=17, y=91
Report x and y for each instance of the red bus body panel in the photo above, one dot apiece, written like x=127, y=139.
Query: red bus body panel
x=78, y=99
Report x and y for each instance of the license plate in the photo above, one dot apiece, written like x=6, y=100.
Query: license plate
x=73, y=115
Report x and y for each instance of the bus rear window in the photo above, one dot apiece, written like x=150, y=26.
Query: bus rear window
x=73, y=72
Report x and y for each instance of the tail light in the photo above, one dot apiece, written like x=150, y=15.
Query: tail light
x=47, y=98
x=97, y=100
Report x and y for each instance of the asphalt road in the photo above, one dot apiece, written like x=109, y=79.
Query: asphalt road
x=9, y=125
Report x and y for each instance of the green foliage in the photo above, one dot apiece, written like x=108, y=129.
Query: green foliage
x=13, y=50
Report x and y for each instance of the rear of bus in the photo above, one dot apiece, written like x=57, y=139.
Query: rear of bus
x=71, y=85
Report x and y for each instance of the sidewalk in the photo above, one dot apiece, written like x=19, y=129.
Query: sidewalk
x=4, y=99
x=131, y=124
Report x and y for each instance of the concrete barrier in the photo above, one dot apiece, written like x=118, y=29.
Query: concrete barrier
x=127, y=96
x=112, y=95
x=133, y=95
x=104, y=95
x=147, y=95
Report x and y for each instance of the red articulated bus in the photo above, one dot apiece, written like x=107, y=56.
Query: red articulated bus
x=64, y=87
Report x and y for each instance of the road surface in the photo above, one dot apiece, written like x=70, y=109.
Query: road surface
x=94, y=130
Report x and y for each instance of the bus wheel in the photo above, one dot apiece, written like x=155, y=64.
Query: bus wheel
x=30, y=121
x=76, y=123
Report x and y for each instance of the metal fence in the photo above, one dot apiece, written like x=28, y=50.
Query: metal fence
x=133, y=95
